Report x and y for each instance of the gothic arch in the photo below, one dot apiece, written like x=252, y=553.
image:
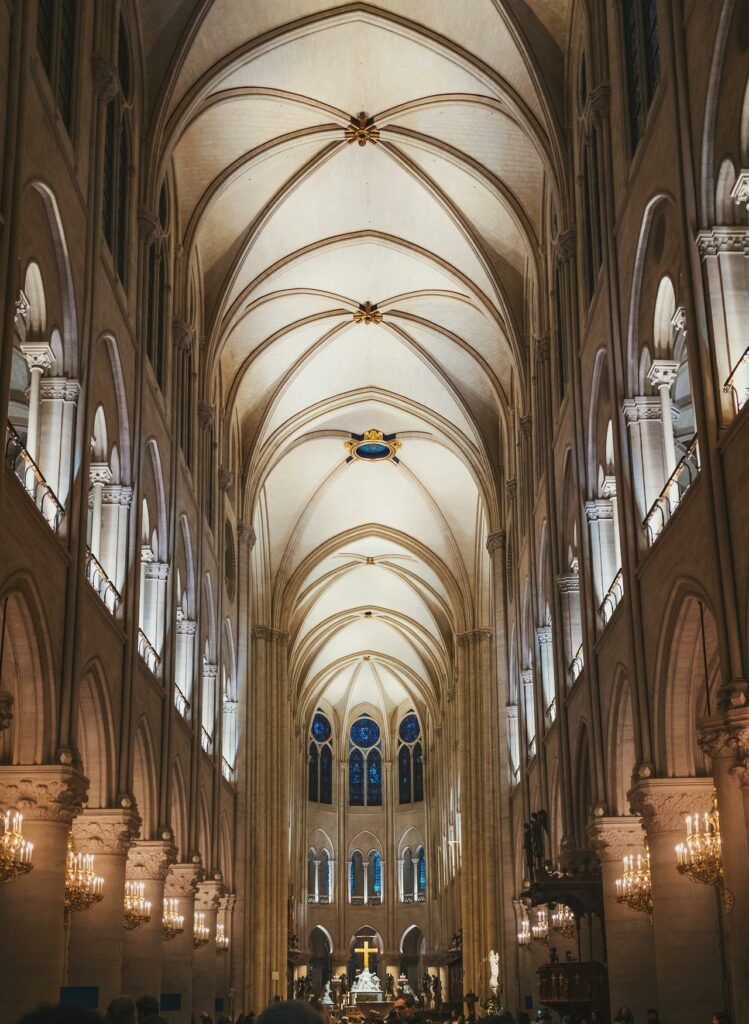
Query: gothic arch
x=621, y=744
x=96, y=737
x=145, y=786
x=179, y=817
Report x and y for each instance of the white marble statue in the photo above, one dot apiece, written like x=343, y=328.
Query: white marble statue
x=326, y=996
x=366, y=985
x=494, y=969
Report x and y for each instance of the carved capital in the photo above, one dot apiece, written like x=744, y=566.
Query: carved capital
x=182, y=335
x=149, y=226
x=568, y=583
x=104, y=78
x=182, y=880
x=275, y=636
x=679, y=319
x=227, y=902
x=150, y=860
x=740, y=191
x=246, y=534
x=613, y=838
x=43, y=792
x=716, y=739
x=100, y=473
x=473, y=636
x=662, y=372
x=117, y=494
x=38, y=355
x=6, y=709
x=225, y=479
x=59, y=389
x=641, y=407
x=567, y=245
x=187, y=627
x=663, y=804
x=598, y=509
x=156, y=570
x=526, y=426
x=205, y=415
x=495, y=542
x=718, y=240
x=544, y=635
x=209, y=895
x=105, y=831
x=511, y=489
x=543, y=348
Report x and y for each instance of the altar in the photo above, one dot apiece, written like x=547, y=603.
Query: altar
x=366, y=991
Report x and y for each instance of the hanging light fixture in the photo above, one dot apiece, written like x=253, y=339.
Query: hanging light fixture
x=201, y=933
x=563, y=921
x=699, y=857
x=540, y=930
x=524, y=935
x=137, y=909
x=173, y=923
x=222, y=939
x=15, y=851
x=635, y=887
x=83, y=887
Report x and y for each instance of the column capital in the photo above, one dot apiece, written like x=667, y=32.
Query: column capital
x=662, y=372
x=740, y=191
x=205, y=415
x=641, y=407
x=663, y=804
x=6, y=709
x=182, y=335
x=104, y=77
x=183, y=879
x=526, y=677
x=717, y=240
x=156, y=570
x=568, y=583
x=187, y=627
x=543, y=348
x=612, y=838
x=59, y=389
x=100, y=473
x=473, y=636
x=150, y=860
x=246, y=534
x=106, y=831
x=511, y=489
x=209, y=894
x=598, y=509
x=38, y=355
x=496, y=541
x=544, y=635
x=275, y=636
x=117, y=494
x=225, y=479
x=566, y=245
x=43, y=792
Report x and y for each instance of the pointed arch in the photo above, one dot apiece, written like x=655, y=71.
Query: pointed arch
x=145, y=786
x=96, y=737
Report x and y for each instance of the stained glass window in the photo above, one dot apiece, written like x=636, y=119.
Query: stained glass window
x=410, y=728
x=326, y=775
x=356, y=779
x=377, y=873
x=410, y=788
x=374, y=779
x=418, y=774
x=404, y=775
x=45, y=21
x=320, y=728
x=66, y=62
x=365, y=733
x=321, y=782
x=632, y=68
x=116, y=179
x=313, y=771
x=652, y=45
x=422, y=872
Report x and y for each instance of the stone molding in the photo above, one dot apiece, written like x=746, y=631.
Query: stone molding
x=641, y=407
x=568, y=583
x=225, y=479
x=59, y=389
x=613, y=838
x=228, y=901
x=182, y=335
x=246, y=534
x=182, y=880
x=275, y=636
x=187, y=627
x=526, y=677
x=662, y=372
x=104, y=78
x=205, y=415
x=44, y=792
x=106, y=832
x=526, y=426
x=472, y=636
x=156, y=570
x=740, y=191
x=717, y=240
x=598, y=509
x=599, y=102
x=543, y=348
x=6, y=709
x=663, y=804
x=679, y=319
x=544, y=635
x=150, y=860
x=117, y=494
x=495, y=541
x=149, y=226
x=100, y=473
x=208, y=895
x=511, y=489
x=567, y=245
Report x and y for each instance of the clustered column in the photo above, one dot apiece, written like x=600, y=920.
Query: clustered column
x=147, y=862
x=177, y=976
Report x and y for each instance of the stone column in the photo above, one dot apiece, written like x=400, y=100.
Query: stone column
x=662, y=374
x=642, y=415
x=116, y=501
x=100, y=474
x=546, y=661
x=600, y=516
x=39, y=357
x=685, y=913
x=568, y=586
x=148, y=862
x=629, y=933
x=177, y=958
x=726, y=740
x=223, y=960
x=96, y=935
x=204, y=958
x=32, y=940
x=58, y=402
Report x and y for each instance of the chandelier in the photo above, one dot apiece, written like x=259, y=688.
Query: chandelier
x=15, y=851
x=524, y=935
x=83, y=887
x=173, y=923
x=699, y=857
x=540, y=930
x=563, y=921
x=222, y=939
x=200, y=932
x=137, y=909
x=635, y=887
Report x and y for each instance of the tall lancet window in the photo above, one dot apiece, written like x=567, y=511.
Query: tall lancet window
x=365, y=764
x=410, y=761
x=320, y=767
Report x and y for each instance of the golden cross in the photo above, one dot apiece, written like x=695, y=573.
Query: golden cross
x=366, y=950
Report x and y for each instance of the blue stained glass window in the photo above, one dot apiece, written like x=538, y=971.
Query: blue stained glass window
x=326, y=775
x=352, y=878
x=374, y=778
x=313, y=769
x=404, y=775
x=422, y=868
x=409, y=729
x=377, y=882
x=365, y=733
x=418, y=774
x=356, y=779
x=320, y=727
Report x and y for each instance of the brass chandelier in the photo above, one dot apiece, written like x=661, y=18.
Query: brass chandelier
x=137, y=909
x=699, y=856
x=201, y=933
x=15, y=851
x=524, y=935
x=635, y=887
x=222, y=939
x=563, y=921
x=83, y=887
x=540, y=930
x=173, y=923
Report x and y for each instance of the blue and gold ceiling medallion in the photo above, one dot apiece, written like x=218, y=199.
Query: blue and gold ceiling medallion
x=372, y=446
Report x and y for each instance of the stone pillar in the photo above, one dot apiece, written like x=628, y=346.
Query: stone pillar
x=177, y=958
x=685, y=913
x=223, y=960
x=96, y=935
x=204, y=958
x=600, y=516
x=568, y=586
x=58, y=402
x=32, y=940
x=629, y=933
x=100, y=474
x=148, y=862
x=726, y=740
x=39, y=357
x=546, y=661
x=662, y=374
x=116, y=501
x=642, y=415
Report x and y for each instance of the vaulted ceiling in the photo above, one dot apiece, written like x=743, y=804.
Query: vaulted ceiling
x=435, y=216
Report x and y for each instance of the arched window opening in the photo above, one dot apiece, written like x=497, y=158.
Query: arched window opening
x=421, y=873
x=365, y=764
x=106, y=554
x=373, y=878
x=117, y=159
x=642, y=62
x=410, y=871
x=320, y=771
x=319, y=876
x=208, y=703
x=56, y=31
x=158, y=286
x=229, y=707
x=410, y=760
x=356, y=879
